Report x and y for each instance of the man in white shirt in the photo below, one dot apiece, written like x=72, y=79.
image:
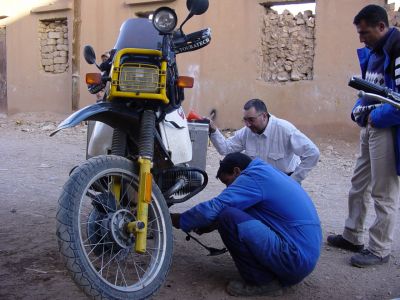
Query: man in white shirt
x=274, y=140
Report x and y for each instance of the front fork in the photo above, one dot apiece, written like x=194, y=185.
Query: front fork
x=146, y=151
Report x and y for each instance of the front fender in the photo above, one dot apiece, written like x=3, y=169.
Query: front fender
x=115, y=114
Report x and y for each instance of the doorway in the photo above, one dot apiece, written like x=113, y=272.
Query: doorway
x=3, y=71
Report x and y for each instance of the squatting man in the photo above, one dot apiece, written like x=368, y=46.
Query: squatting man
x=267, y=222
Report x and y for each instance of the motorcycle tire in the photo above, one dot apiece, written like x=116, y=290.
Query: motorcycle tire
x=91, y=220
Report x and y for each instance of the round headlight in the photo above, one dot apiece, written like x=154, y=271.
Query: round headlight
x=165, y=19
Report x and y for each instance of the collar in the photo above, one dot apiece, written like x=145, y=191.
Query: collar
x=268, y=129
x=381, y=43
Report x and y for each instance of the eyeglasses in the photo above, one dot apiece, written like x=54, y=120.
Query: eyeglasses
x=251, y=119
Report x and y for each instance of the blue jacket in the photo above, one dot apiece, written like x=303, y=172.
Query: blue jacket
x=271, y=197
x=386, y=115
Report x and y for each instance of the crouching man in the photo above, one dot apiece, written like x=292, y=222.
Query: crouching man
x=266, y=220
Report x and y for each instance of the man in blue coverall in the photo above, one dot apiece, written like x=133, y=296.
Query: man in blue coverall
x=266, y=220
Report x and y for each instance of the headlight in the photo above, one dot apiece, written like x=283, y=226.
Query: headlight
x=139, y=78
x=165, y=19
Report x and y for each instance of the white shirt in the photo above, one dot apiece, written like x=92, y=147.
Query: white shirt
x=281, y=144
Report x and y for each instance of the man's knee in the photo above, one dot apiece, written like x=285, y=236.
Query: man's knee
x=228, y=214
x=230, y=217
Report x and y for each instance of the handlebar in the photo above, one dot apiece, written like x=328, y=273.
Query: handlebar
x=377, y=92
x=190, y=42
x=379, y=98
x=368, y=87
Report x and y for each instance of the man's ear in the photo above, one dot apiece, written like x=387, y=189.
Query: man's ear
x=381, y=26
x=236, y=171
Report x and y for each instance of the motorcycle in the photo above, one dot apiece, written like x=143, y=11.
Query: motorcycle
x=113, y=224
x=375, y=92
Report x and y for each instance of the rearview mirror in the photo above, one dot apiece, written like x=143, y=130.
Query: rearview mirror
x=197, y=7
x=89, y=54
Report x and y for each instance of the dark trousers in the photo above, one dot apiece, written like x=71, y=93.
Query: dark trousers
x=251, y=270
x=260, y=254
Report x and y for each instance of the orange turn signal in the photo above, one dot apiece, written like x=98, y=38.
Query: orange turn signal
x=148, y=187
x=185, y=82
x=93, y=78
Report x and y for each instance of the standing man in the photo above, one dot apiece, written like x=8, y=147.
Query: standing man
x=266, y=220
x=378, y=165
x=274, y=140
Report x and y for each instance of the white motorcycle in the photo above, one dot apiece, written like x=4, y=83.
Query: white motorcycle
x=113, y=224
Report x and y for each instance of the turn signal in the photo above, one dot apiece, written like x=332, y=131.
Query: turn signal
x=185, y=82
x=148, y=187
x=93, y=78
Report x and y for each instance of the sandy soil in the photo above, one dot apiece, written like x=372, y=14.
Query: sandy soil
x=34, y=167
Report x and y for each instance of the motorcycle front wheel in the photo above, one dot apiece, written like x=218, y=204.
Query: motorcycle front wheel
x=97, y=201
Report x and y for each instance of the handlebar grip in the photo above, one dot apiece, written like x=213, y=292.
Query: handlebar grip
x=195, y=35
x=191, y=42
x=368, y=87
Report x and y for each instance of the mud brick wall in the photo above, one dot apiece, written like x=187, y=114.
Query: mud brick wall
x=394, y=16
x=287, y=46
x=53, y=36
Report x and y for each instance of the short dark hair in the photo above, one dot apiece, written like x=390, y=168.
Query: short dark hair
x=232, y=161
x=372, y=15
x=258, y=105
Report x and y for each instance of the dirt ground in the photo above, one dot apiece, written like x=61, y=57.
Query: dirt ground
x=33, y=168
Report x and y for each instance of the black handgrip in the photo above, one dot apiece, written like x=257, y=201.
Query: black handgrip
x=196, y=35
x=368, y=87
x=192, y=41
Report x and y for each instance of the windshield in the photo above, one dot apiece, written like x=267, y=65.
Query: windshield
x=138, y=33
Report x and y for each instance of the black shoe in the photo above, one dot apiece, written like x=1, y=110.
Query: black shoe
x=366, y=258
x=339, y=242
x=241, y=289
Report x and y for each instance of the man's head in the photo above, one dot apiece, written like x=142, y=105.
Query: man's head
x=372, y=24
x=105, y=57
x=255, y=115
x=231, y=167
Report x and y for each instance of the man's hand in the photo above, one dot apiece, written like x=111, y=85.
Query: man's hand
x=176, y=218
x=212, y=127
x=370, y=121
x=210, y=228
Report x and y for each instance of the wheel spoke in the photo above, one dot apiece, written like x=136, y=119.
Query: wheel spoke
x=90, y=252
x=111, y=259
x=151, y=255
x=126, y=193
x=97, y=199
x=101, y=256
x=136, y=269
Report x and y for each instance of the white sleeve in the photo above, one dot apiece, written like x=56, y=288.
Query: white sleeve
x=397, y=73
x=225, y=146
x=307, y=151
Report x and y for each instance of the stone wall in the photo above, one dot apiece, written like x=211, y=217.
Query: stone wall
x=394, y=16
x=53, y=36
x=287, y=46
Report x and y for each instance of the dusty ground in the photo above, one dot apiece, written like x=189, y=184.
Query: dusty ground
x=33, y=168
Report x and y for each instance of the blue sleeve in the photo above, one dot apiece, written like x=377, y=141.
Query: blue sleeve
x=242, y=193
x=385, y=116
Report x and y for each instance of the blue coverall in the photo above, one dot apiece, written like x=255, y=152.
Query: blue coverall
x=268, y=223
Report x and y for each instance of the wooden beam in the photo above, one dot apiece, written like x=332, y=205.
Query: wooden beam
x=143, y=2
x=269, y=3
x=59, y=6
x=3, y=71
x=76, y=49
